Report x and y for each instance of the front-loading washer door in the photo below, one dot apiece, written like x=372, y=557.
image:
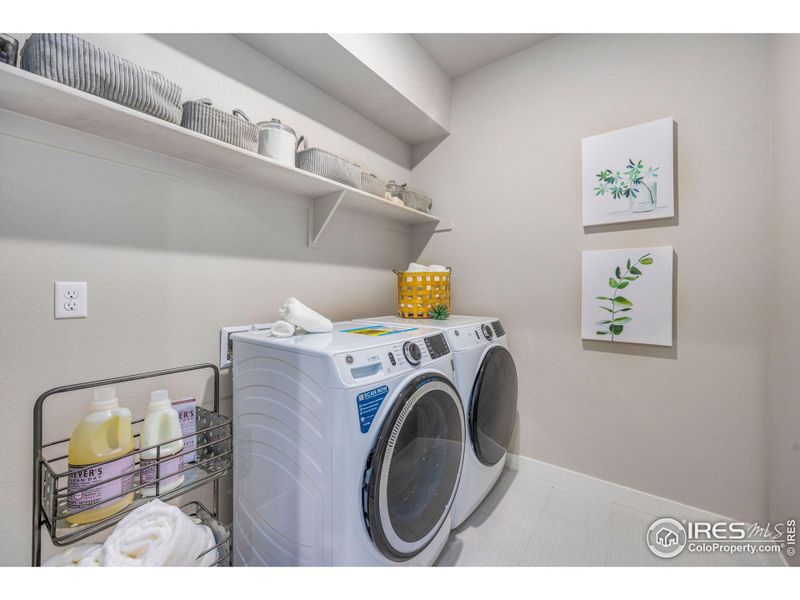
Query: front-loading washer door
x=493, y=406
x=415, y=467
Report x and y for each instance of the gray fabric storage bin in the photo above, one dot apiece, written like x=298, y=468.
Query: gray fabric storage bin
x=328, y=165
x=373, y=184
x=233, y=128
x=73, y=61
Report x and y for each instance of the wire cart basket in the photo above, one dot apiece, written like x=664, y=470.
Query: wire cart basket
x=214, y=449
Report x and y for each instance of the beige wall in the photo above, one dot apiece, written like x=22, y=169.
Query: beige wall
x=784, y=375
x=171, y=253
x=690, y=422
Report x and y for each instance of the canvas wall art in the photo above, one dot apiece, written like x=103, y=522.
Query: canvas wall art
x=627, y=295
x=628, y=174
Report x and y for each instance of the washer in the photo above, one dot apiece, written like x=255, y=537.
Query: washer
x=486, y=378
x=349, y=446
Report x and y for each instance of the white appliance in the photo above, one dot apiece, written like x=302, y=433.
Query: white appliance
x=349, y=446
x=486, y=379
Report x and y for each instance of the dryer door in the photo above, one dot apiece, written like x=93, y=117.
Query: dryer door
x=493, y=410
x=415, y=467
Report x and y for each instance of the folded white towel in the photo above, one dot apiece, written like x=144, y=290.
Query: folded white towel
x=298, y=314
x=155, y=535
x=82, y=555
x=437, y=269
x=282, y=329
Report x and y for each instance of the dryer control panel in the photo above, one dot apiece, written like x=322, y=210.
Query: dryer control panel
x=470, y=336
x=362, y=366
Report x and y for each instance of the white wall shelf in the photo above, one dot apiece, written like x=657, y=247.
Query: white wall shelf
x=38, y=97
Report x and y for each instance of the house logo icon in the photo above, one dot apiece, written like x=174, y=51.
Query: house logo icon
x=666, y=538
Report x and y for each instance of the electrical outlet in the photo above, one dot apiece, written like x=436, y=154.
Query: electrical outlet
x=226, y=345
x=71, y=300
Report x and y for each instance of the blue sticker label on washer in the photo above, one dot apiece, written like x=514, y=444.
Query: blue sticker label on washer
x=368, y=404
x=378, y=330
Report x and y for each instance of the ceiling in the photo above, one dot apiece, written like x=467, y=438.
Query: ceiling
x=460, y=53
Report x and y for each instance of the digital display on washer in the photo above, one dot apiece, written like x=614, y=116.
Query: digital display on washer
x=498, y=329
x=437, y=345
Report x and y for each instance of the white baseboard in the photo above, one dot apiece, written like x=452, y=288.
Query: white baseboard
x=613, y=492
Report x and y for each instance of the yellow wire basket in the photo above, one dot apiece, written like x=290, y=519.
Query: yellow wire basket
x=418, y=292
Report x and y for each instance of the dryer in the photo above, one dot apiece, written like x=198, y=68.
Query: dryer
x=349, y=446
x=486, y=378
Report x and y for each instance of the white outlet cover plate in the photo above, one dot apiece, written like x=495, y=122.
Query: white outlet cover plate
x=224, y=343
x=71, y=300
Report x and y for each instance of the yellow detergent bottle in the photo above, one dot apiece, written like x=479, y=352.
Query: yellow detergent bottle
x=104, y=434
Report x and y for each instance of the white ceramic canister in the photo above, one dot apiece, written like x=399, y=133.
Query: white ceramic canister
x=278, y=141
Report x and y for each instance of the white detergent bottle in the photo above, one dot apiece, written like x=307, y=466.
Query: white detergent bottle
x=161, y=428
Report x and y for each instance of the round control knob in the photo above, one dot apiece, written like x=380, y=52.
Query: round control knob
x=487, y=332
x=412, y=353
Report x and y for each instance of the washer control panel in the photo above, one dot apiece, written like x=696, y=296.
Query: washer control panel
x=361, y=366
x=498, y=329
x=412, y=353
x=437, y=345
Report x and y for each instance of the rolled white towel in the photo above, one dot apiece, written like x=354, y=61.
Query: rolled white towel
x=282, y=329
x=158, y=535
x=298, y=314
x=82, y=555
x=437, y=269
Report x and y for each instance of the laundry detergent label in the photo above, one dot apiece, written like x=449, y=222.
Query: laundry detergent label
x=80, y=496
x=167, y=471
x=378, y=330
x=187, y=416
x=368, y=404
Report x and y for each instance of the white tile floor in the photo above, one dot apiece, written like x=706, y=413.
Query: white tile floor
x=525, y=521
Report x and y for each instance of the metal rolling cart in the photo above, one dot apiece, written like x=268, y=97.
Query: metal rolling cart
x=214, y=449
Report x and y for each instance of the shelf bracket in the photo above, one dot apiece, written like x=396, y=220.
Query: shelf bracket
x=429, y=228
x=421, y=235
x=320, y=214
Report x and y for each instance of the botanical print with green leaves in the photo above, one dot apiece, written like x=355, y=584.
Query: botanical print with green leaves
x=625, y=184
x=618, y=304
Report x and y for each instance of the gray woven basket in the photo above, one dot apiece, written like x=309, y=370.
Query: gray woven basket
x=328, y=165
x=233, y=128
x=373, y=184
x=417, y=201
x=8, y=49
x=70, y=60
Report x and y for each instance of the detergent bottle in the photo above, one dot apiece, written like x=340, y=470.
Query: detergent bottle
x=100, y=449
x=160, y=439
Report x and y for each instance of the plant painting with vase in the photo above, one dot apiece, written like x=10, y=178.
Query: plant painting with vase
x=629, y=184
x=628, y=174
